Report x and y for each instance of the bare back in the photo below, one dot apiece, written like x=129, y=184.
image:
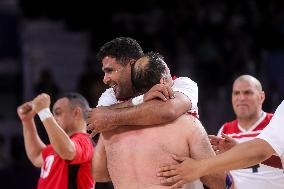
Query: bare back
x=134, y=153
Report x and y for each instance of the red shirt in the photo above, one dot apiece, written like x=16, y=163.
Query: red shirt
x=57, y=173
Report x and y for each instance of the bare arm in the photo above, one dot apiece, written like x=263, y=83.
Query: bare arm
x=152, y=112
x=33, y=144
x=200, y=148
x=149, y=113
x=59, y=140
x=99, y=163
x=156, y=109
x=256, y=150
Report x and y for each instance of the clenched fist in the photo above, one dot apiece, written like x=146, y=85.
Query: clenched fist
x=26, y=111
x=41, y=101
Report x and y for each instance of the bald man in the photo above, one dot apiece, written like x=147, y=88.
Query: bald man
x=247, y=101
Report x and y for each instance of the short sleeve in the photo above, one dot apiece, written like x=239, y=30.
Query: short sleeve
x=273, y=133
x=107, y=98
x=84, y=148
x=189, y=88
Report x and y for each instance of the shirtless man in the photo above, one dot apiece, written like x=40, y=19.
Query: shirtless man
x=129, y=156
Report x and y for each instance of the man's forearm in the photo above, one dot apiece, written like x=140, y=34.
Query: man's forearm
x=125, y=104
x=151, y=112
x=256, y=151
x=33, y=144
x=59, y=140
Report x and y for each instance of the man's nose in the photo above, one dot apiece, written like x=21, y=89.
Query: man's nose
x=106, y=79
x=242, y=96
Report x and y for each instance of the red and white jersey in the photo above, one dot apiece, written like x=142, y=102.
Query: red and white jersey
x=57, y=173
x=264, y=175
x=181, y=84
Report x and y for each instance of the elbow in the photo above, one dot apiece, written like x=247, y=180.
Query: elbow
x=36, y=163
x=34, y=159
x=169, y=115
x=100, y=178
x=261, y=156
x=171, y=111
x=261, y=150
x=68, y=154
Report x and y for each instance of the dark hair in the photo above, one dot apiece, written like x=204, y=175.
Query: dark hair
x=121, y=48
x=145, y=77
x=77, y=100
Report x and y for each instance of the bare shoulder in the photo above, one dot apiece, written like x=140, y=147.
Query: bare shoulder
x=193, y=124
x=191, y=128
x=197, y=139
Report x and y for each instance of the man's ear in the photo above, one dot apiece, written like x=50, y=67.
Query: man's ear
x=77, y=112
x=262, y=96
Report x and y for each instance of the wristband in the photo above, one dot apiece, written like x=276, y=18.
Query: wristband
x=44, y=114
x=137, y=100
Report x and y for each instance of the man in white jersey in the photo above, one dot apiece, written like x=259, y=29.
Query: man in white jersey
x=117, y=57
x=137, y=151
x=266, y=144
x=247, y=100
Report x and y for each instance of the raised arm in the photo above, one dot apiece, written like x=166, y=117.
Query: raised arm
x=59, y=140
x=33, y=144
x=99, y=163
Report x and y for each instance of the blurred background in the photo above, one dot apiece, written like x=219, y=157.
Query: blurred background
x=50, y=45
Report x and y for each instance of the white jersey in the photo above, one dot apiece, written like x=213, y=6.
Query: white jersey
x=274, y=132
x=260, y=176
x=181, y=84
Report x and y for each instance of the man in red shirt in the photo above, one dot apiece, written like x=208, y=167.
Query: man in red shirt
x=66, y=161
